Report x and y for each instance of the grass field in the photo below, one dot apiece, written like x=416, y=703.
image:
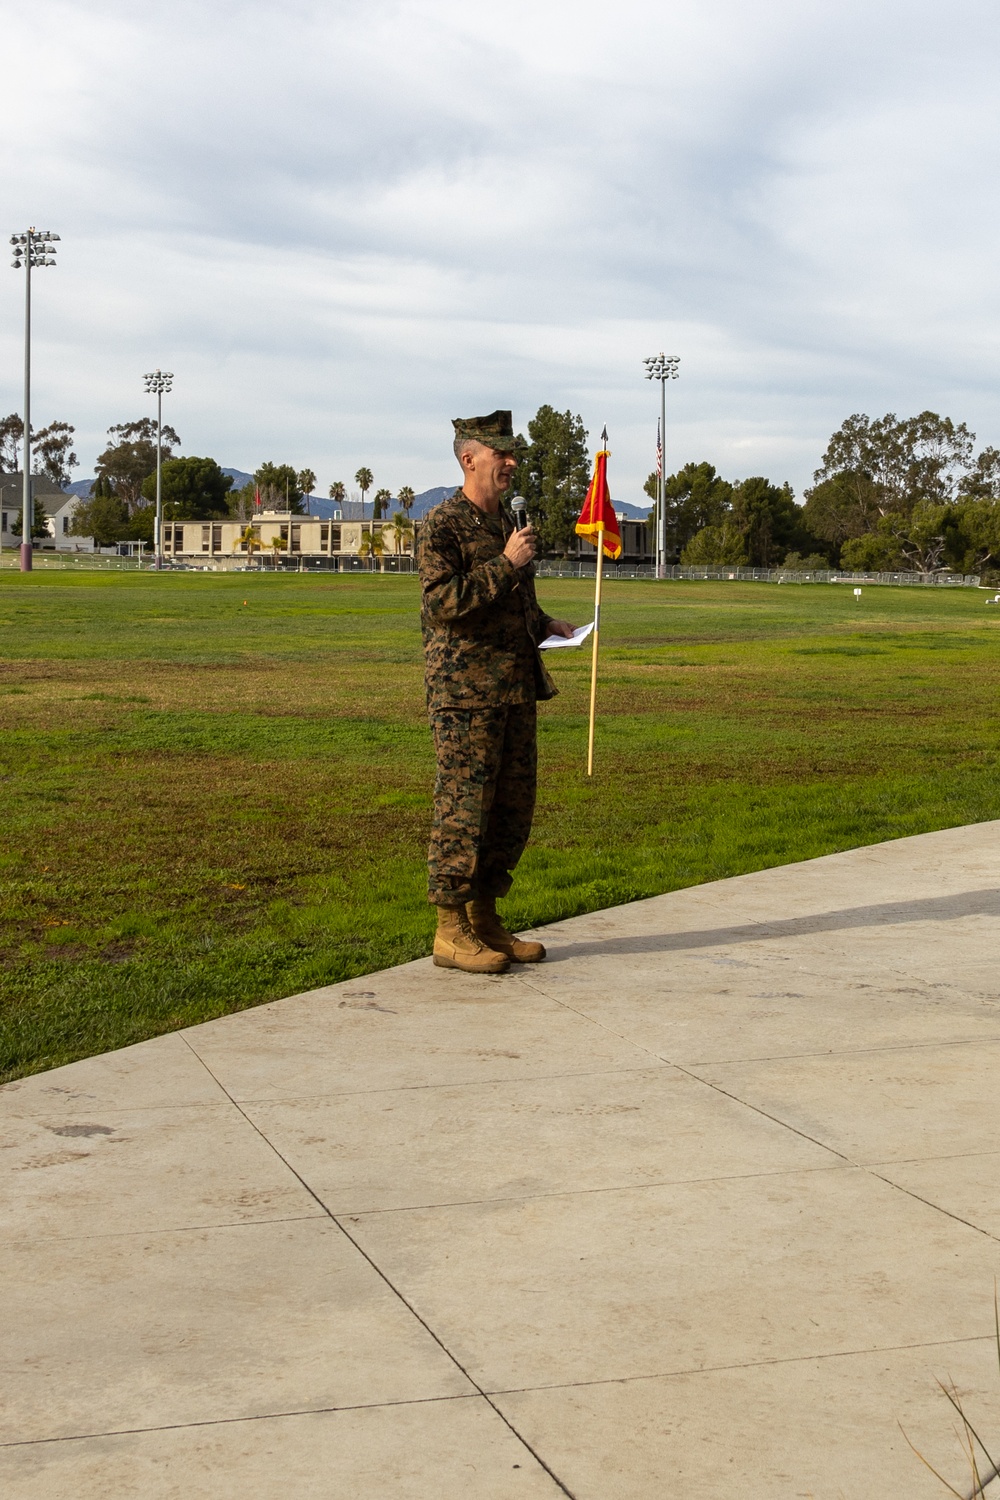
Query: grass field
x=215, y=788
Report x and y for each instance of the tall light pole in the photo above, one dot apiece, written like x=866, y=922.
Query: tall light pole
x=158, y=382
x=662, y=367
x=35, y=247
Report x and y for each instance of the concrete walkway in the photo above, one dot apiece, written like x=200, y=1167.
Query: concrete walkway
x=700, y=1208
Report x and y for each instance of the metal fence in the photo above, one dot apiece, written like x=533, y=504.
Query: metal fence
x=550, y=569
x=77, y=562
x=83, y=561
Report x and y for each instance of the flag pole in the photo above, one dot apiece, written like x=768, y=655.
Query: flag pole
x=593, y=666
x=597, y=516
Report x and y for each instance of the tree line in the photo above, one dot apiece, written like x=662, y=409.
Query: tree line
x=890, y=493
x=120, y=505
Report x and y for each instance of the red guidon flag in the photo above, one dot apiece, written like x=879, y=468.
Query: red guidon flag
x=598, y=514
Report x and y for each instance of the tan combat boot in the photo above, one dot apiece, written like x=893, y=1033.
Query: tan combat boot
x=490, y=930
x=456, y=946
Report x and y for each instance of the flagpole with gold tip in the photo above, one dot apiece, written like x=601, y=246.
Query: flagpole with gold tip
x=599, y=524
x=593, y=659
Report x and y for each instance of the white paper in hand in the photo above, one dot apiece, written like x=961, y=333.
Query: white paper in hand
x=554, y=642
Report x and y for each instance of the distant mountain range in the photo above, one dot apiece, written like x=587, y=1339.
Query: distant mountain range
x=81, y=487
x=317, y=504
x=351, y=509
x=84, y=486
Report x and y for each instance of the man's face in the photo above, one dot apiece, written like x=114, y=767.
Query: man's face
x=493, y=470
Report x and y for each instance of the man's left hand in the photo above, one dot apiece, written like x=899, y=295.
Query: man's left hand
x=561, y=627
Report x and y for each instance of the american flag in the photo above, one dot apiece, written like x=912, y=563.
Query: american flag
x=659, y=452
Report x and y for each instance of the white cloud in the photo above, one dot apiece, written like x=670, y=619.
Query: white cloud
x=342, y=224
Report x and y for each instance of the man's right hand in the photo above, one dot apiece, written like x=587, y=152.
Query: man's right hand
x=521, y=546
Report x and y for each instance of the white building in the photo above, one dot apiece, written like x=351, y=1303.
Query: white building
x=279, y=538
x=59, y=508
x=60, y=521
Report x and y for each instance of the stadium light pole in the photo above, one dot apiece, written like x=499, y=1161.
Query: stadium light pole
x=35, y=247
x=662, y=367
x=156, y=383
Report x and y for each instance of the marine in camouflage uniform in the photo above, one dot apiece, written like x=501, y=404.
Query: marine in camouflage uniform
x=481, y=626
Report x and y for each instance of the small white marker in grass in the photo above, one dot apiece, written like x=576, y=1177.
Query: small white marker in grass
x=857, y=594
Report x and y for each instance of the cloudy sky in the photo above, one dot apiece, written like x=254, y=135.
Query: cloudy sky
x=343, y=223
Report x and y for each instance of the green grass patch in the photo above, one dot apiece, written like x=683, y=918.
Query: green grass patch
x=215, y=790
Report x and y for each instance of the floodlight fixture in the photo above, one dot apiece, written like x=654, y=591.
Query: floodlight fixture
x=158, y=382
x=662, y=367
x=32, y=248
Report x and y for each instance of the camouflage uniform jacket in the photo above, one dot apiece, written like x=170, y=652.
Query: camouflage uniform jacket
x=481, y=621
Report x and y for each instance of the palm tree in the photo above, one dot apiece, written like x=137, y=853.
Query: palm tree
x=251, y=540
x=306, y=481
x=372, y=545
x=279, y=544
x=364, y=479
x=402, y=530
x=338, y=492
x=380, y=504
x=406, y=498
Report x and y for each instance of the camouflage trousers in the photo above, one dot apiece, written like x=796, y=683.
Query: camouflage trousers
x=484, y=800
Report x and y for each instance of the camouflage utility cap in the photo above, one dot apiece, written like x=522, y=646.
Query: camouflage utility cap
x=496, y=430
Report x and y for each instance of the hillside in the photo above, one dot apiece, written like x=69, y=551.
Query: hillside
x=319, y=505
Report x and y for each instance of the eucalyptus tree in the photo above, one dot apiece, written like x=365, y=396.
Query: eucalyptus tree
x=51, y=449
x=130, y=457
x=11, y=434
x=889, y=465
x=52, y=452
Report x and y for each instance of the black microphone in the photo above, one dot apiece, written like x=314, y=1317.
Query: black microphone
x=519, y=507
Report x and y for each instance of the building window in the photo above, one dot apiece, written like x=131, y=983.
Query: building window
x=65, y=525
x=296, y=538
x=334, y=538
x=206, y=538
x=216, y=538
x=324, y=538
x=4, y=521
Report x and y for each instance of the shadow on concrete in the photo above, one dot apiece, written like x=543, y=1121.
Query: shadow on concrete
x=885, y=914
